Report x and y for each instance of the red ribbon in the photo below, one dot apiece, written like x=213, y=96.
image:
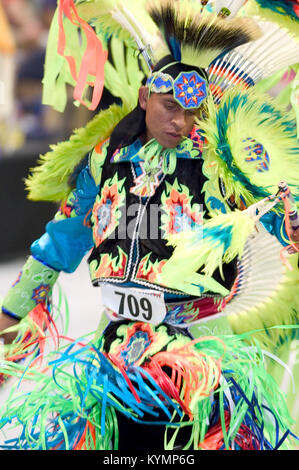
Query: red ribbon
x=296, y=9
x=93, y=60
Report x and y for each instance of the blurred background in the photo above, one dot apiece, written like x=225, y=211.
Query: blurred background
x=27, y=127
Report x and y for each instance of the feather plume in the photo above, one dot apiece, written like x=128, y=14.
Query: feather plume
x=49, y=180
x=223, y=238
x=197, y=39
x=103, y=19
x=245, y=123
x=265, y=293
x=232, y=5
x=264, y=299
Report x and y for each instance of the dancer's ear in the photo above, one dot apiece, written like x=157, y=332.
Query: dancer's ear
x=143, y=97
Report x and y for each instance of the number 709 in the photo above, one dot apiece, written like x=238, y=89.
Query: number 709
x=142, y=308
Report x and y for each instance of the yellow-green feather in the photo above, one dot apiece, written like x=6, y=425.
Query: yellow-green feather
x=250, y=119
x=192, y=252
x=253, y=9
x=48, y=181
x=279, y=310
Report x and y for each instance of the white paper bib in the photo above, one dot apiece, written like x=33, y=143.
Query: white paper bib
x=134, y=304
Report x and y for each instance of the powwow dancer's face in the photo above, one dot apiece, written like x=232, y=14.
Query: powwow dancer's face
x=166, y=121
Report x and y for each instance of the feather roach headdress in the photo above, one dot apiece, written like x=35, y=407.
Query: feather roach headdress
x=195, y=38
x=276, y=50
x=232, y=50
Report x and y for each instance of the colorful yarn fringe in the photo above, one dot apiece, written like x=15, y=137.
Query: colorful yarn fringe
x=77, y=51
x=34, y=333
x=83, y=60
x=216, y=386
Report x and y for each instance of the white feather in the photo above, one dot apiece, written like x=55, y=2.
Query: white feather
x=261, y=271
x=127, y=21
x=256, y=60
x=233, y=5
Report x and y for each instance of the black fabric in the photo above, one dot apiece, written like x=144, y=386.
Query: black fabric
x=110, y=332
x=144, y=437
x=188, y=173
x=127, y=130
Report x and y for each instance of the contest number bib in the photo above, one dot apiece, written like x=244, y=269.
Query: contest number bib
x=134, y=304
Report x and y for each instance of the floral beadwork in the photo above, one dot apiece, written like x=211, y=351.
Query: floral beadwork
x=178, y=212
x=189, y=89
x=106, y=210
x=138, y=341
x=40, y=293
x=135, y=348
x=257, y=154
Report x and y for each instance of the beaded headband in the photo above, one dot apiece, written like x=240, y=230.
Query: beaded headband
x=189, y=89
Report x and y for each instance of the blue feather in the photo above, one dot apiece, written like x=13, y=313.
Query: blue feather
x=175, y=48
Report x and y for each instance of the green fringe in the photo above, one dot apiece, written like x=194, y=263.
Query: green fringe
x=72, y=394
x=125, y=68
